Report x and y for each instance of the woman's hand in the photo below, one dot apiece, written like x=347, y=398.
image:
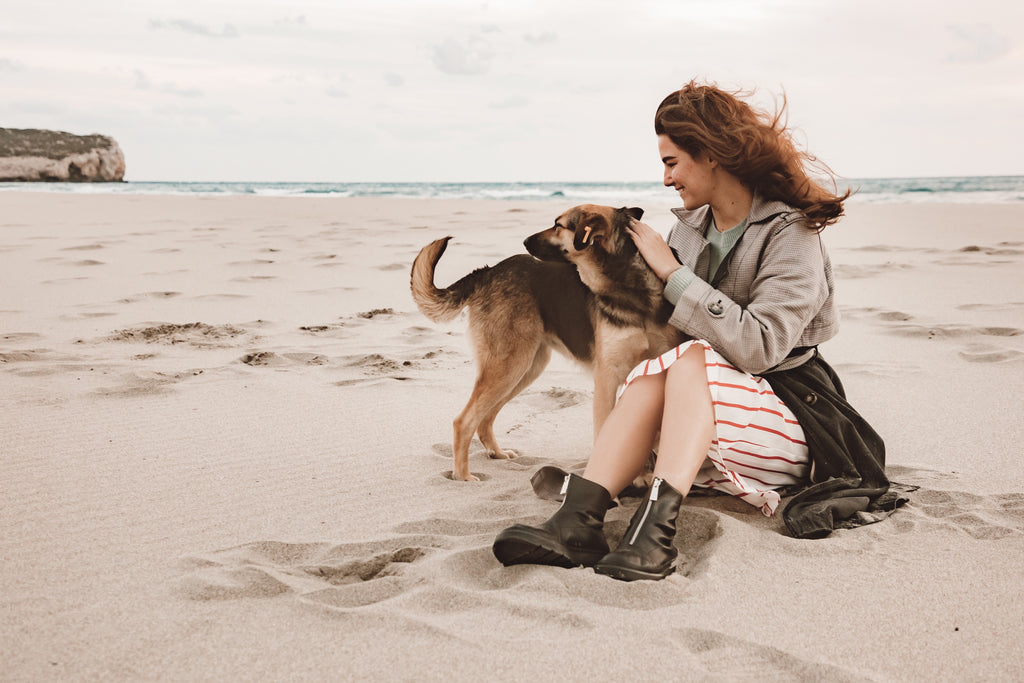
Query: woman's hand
x=654, y=249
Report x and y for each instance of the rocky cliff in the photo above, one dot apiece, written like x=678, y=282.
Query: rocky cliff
x=45, y=155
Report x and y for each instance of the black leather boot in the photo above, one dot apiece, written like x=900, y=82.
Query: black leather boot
x=647, y=550
x=573, y=536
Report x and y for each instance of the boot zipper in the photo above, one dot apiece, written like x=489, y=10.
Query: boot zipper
x=650, y=502
x=565, y=487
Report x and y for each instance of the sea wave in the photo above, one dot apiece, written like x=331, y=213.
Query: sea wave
x=964, y=189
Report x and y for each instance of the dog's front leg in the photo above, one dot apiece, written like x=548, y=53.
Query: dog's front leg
x=613, y=349
x=604, y=398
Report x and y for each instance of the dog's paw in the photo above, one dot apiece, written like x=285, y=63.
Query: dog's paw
x=502, y=454
x=467, y=476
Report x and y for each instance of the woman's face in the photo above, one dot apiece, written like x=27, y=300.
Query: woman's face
x=693, y=179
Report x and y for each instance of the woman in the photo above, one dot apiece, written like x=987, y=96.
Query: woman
x=752, y=288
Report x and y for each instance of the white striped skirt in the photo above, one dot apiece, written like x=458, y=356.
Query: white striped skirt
x=758, y=444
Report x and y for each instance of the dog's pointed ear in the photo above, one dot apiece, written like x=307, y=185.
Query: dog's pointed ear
x=588, y=229
x=634, y=211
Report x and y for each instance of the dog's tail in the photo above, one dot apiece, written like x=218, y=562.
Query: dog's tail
x=439, y=305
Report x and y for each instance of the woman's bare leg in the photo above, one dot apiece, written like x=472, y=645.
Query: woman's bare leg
x=624, y=443
x=679, y=403
x=689, y=423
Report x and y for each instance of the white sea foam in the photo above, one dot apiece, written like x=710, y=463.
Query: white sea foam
x=968, y=189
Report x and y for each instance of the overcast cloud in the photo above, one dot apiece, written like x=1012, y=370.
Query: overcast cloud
x=504, y=90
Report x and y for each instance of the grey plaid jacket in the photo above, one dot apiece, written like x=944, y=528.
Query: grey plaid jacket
x=772, y=294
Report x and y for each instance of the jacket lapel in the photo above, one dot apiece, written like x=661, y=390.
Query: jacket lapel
x=692, y=248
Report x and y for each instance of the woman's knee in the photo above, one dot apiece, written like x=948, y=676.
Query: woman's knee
x=646, y=389
x=691, y=364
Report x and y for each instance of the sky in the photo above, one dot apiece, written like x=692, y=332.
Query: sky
x=509, y=90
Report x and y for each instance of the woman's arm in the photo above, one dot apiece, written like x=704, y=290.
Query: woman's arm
x=787, y=290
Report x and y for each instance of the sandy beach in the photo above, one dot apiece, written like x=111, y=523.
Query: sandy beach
x=225, y=441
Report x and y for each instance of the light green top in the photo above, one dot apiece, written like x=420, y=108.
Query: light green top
x=719, y=244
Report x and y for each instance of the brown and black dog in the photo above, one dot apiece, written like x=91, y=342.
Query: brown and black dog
x=587, y=294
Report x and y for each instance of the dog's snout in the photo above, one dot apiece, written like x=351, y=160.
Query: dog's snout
x=543, y=249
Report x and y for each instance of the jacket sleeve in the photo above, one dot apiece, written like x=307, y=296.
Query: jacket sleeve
x=788, y=289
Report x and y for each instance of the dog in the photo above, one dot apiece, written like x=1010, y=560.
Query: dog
x=584, y=291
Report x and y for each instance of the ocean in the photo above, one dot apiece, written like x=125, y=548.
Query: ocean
x=967, y=189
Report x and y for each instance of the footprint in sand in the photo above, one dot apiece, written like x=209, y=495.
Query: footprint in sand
x=148, y=295
x=983, y=353
x=89, y=315
x=443, y=450
x=331, y=264
x=481, y=477
x=850, y=271
x=421, y=332
x=39, y=362
x=898, y=322
x=1001, y=249
x=375, y=312
x=722, y=656
x=84, y=247
x=891, y=249
x=554, y=398
x=146, y=383
x=19, y=336
x=977, y=257
x=439, y=357
x=376, y=366
x=882, y=314
x=984, y=517
x=954, y=330
x=271, y=359
x=30, y=356
x=349, y=575
x=195, y=334
x=987, y=307
x=221, y=297
x=376, y=363
x=322, y=258
x=254, y=278
x=878, y=369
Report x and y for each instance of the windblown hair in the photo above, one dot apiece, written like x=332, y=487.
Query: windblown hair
x=754, y=146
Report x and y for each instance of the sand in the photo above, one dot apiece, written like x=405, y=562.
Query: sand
x=226, y=446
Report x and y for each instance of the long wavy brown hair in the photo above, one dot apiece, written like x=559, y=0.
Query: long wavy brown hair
x=754, y=146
